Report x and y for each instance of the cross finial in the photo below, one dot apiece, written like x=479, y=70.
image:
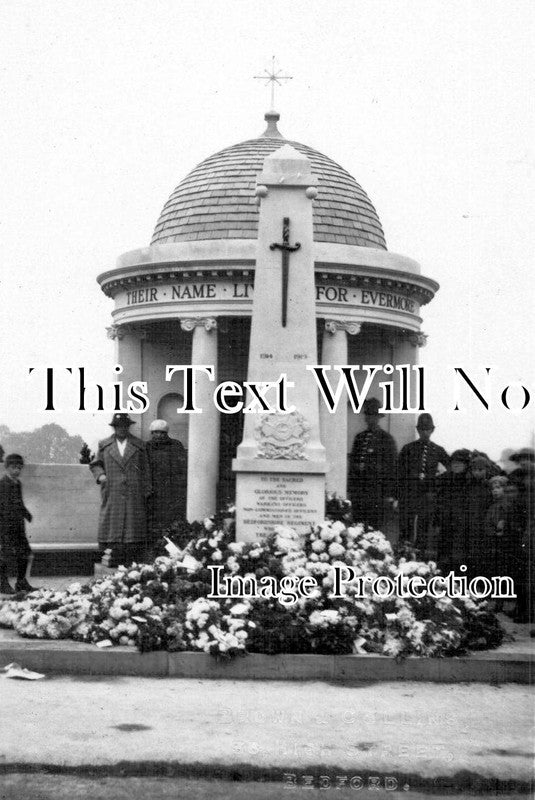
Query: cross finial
x=273, y=77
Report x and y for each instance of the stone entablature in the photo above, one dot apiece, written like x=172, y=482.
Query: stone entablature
x=169, y=281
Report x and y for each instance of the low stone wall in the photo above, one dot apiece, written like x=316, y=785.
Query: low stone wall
x=64, y=501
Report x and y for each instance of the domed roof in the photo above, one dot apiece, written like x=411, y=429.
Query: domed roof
x=217, y=199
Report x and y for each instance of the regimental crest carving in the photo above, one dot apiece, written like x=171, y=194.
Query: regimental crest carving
x=282, y=436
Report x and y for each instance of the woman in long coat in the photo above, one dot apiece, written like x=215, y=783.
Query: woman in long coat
x=167, y=459
x=122, y=470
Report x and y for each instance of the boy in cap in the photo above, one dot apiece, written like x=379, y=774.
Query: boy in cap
x=121, y=469
x=419, y=465
x=372, y=469
x=167, y=459
x=13, y=542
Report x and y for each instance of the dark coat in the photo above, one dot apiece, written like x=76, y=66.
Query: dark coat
x=498, y=548
x=167, y=459
x=372, y=475
x=479, y=500
x=452, y=518
x=417, y=483
x=123, y=513
x=13, y=512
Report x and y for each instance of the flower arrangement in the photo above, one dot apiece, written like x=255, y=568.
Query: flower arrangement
x=166, y=606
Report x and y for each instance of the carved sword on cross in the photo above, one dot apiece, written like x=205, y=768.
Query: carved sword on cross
x=285, y=247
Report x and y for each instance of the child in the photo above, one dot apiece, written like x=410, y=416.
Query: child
x=496, y=550
x=13, y=542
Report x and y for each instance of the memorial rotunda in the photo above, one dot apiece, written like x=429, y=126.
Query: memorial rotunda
x=187, y=299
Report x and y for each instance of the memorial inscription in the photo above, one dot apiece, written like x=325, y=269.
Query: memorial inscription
x=280, y=499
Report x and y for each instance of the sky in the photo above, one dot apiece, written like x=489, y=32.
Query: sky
x=105, y=107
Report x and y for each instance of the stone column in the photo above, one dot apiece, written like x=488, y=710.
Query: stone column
x=203, y=437
x=406, y=346
x=129, y=355
x=333, y=427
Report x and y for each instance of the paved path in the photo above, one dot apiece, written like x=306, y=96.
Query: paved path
x=418, y=730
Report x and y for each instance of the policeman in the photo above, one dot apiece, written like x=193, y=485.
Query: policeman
x=372, y=469
x=419, y=465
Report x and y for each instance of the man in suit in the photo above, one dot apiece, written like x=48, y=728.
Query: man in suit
x=121, y=468
x=372, y=469
x=419, y=465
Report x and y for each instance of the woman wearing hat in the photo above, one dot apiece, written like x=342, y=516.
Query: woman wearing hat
x=121, y=468
x=167, y=459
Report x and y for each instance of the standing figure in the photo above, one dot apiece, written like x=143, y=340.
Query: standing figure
x=121, y=468
x=167, y=459
x=372, y=469
x=452, y=513
x=14, y=545
x=419, y=465
x=479, y=500
x=497, y=551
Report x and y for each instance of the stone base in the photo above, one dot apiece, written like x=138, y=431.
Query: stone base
x=85, y=659
x=277, y=493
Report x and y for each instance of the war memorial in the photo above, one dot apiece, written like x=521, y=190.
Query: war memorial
x=211, y=289
x=267, y=272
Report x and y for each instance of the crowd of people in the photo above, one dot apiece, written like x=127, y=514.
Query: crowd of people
x=458, y=509
x=461, y=510
x=143, y=490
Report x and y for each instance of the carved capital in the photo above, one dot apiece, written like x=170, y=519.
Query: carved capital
x=115, y=332
x=190, y=323
x=120, y=331
x=418, y=339
x=333, y=325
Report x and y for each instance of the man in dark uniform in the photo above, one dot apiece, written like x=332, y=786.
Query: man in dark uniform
x=372, y=469
x=419, y=465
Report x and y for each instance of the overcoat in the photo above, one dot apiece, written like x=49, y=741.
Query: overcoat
x=452, y=517
x=372, y=475
x=124, y=493
x=13, y=512
x=167, y=459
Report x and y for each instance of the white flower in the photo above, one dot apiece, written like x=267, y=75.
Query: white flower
x=217, y=555
x=326, y=533
x=318, y=546
x=336, y=550
x=208, y=524
x=239, y=609
x=236, y=547
x=338, y=527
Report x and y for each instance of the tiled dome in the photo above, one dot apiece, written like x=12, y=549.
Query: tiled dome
x=217, y=199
